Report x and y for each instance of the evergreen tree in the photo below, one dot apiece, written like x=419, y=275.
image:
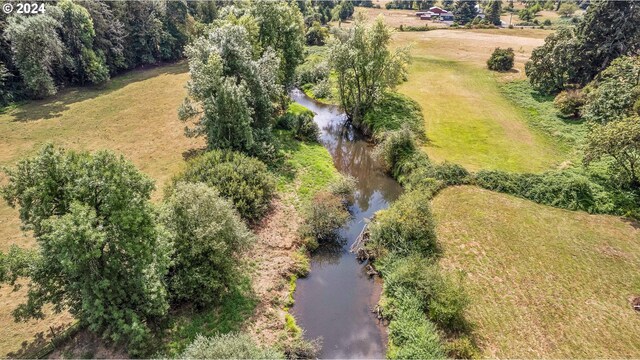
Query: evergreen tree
x=77, y=33
x=464, y=11
x=493, y=10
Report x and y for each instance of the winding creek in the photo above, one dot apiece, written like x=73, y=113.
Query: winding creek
x=334, y=301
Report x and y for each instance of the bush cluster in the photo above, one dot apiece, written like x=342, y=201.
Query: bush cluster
x=299, y=120
x=244, y=180
x=326, y=215
x=404, y=228
x=501, y=59
x=207, y=235
x=440, y=294
x=561, y=189
x=411, y=334
x=228, y=346
x=393, y=112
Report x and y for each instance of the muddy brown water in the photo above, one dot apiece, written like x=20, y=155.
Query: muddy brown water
x=335, y=300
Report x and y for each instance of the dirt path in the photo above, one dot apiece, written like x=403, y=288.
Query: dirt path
x=277, y=241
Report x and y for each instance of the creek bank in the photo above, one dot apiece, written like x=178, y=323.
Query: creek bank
x=335, y=301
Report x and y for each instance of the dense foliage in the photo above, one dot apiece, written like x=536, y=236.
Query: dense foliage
x=281, y=28
x=85, y=42
x=300, y=121
x=231, y=94
x=406, y=227
x=501, y=59
x=243, y=180
x=100, y=255
x=326, y=215
x=556, y=188
x=493, y=11
x=464, y=11
x=365, y=67
x=611, y=96
x=391, y=112
x=569, y=103
x=574, y=57
x=618, y=141
x=207, y=237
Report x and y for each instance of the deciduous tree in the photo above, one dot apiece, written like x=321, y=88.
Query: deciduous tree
x=100, y=255
x=619, y=142
x=37, y=50
x=231, y=95
x=365, y=66
x=207, y=236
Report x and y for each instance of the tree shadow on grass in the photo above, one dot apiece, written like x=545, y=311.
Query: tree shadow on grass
x=40, y=339
x=56, y=105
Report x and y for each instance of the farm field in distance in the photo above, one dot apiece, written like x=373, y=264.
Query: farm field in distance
x=543, y=282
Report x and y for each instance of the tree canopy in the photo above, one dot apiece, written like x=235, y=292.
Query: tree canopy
x=100, y=255
x=365, y=67
x=231, y=94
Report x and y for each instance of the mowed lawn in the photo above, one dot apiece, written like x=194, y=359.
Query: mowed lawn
x=468, y=120
x=134, y=115
x=543, y=282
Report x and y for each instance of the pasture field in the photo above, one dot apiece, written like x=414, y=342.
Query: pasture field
x=135, y=115
x=468, y=118
x=543, y=282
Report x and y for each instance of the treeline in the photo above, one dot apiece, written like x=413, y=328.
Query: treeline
x=86, y=42
x=594, y=69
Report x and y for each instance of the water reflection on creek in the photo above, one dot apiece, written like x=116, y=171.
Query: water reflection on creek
x=334, y=302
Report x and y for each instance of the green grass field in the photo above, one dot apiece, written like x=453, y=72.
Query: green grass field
x=543, y=282
x=469, y=117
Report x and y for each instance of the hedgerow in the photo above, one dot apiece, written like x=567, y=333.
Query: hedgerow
x=562, y=189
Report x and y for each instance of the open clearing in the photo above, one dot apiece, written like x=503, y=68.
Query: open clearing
x=468, y=120
x=543, y=282
x=134, y=115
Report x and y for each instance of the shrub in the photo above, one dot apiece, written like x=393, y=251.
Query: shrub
x=613, y=93
x=396, y=147
x=325, y=216
x=411, y=335
x=299, y=120
x=228, y=346
x=501, y=59
x=314, y=68
x=242, y=179
x=305, y=129
x=207, y=235
x=569, y=103
x=322, y=89
x=344, y=187
x=451, y=174
x=547, y=22
x=406, y=227
x=416, y=170
x=299, y=348
x=440, y=295
x=393, y=112
x=461, y=348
